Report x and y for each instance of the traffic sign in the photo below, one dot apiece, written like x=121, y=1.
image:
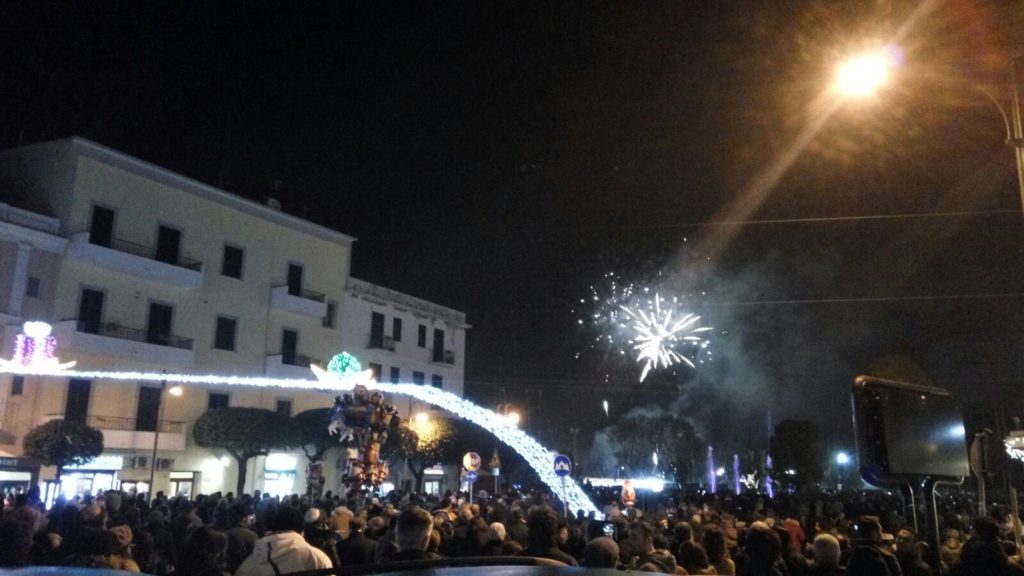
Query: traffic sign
x=471, y=476
x=471, y=461
x=563, y=466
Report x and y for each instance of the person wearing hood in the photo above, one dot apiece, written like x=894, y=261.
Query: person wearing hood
x=283, y=550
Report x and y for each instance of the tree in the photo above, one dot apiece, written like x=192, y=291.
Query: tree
x=636, y=436
x=245, y=433
x=63, y=443
x=421, y=445
x=315, y=441
x=795, y=447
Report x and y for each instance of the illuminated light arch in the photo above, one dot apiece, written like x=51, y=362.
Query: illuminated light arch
x=536, y=455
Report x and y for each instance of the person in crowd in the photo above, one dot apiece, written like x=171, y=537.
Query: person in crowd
x=601, y=552
x=319, y=535
x=983, y=553
x=826, y=557
x=205, y=553
x=412, y=535
x=644, y=555
x=716, y=546
x=542, y=526
x=241, y=539
x=283, y=550
x=762, y=552
x=866, y=555
x=908, y=552
x=357, y=548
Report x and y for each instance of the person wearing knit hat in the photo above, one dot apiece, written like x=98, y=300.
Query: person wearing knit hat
x=601, y=552
x=340, y=518
x=313, y=516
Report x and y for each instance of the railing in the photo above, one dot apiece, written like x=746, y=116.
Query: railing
x=306, y=294
x=150, y=253
x=443, y=357
x=121, y=423
x=300, y=360
x=115, y=330
x=380, y=342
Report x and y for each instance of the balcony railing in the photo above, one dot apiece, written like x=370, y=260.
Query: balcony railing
x=305, y=294
x=300, y=360
x=130, y=425
x=150, y=253
x=115, y=330
x=380, y=342
x=443, y=357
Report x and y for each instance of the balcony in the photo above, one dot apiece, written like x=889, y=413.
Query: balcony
x=298, y=368
x=117, y=341
x=378, y=342
x=119, y=433
x=442, y=357
x=305, y=303
x=137, y=260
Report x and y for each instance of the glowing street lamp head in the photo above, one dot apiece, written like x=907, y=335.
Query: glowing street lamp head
x=175, y=390
x=513, y=418
x=422, y=419
x=864, y=74
x=842, y=458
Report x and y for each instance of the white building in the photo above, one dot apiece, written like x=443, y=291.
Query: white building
x=139, y=268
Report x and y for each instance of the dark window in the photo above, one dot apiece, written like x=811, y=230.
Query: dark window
x=332, y=314
x=376, y=369
x=76, y=408
x=289, y=346
x=284, y=407
x=376, y=330
x=101, y=229
x=421, y=336
x=295, y=279
x=17, y=385
x=232, y=264
x=32, y=287
x=438, y=345
x=158, y=329
x=395, y=375
x=396, y=329
x=217, y=400
x=90, y=311
x=224, y=339
x=168, y=244
x=149, y=408
x=418, y=378
x=435, y=381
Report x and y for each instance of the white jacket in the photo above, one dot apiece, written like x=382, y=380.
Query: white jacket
x=289, y=551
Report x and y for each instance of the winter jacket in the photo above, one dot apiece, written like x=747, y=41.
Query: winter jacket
x=288, y=551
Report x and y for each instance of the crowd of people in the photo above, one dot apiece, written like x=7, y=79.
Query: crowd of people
x=255, y=535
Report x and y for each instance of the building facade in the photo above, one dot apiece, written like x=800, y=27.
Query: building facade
x=141, y=269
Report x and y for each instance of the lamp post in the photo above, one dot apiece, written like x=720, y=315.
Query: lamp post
x=862, y=75
x=174, y=391
x=510, y=415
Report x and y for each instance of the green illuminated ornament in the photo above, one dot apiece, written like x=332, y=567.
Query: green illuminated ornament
x=344, y=364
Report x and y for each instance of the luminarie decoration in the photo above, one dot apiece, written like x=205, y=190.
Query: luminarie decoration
x=532, y=451
x=35, y=349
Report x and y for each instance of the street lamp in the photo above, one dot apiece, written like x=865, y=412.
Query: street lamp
x=173, y=391
x=510, y=415
x=862, y=75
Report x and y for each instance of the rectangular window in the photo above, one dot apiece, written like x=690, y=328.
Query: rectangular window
x=396, y=329
x=168, y=244
x=90, y=311
x=158, y=328
x=435, y=381
x=438, y=354
x=148, y=409
x=295, y=279
x=332, y=314
x=421, y=336
x=217, y=400
x=376, y=330
x=418, y=378
x=376, y=369
x=76, y=406
x=231, y=266
x=17, y=385
x=395, y=375
x=32, y=287
x=289, y=347
x=101, y=229
x=284, y=408
x=224, y=338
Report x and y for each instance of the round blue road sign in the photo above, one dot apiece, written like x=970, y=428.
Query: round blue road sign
x=563, y=466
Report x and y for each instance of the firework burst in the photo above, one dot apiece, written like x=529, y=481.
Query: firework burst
x=632, y=320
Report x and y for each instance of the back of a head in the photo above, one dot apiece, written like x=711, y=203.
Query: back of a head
x=692, y=557
x=715, y=544
x=543, y=524
x=987, y=528
x=601, y=552
x=761, y=545
x=287, y=518
x=413, y=529
x=683, y=532
x=867, y=529
x=357, y=524
x=826, y=550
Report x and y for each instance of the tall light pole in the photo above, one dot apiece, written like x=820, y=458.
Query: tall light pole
x=862, y=75
x=174, y=391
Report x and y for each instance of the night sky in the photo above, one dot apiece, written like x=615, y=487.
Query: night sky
x=501, y=157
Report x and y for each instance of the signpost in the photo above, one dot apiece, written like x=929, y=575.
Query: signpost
x=563, y=468
x=471, y=462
